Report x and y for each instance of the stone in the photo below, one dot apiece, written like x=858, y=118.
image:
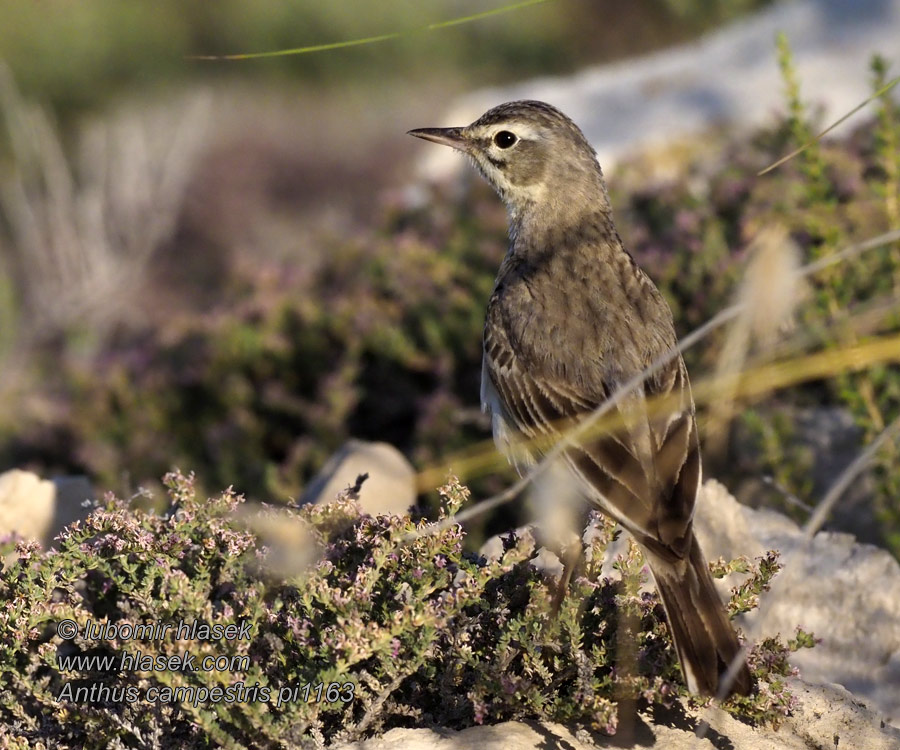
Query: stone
x=26, y=504
x=728, y=78
x=827, y=718
x=511, y=735
x=846, y=593
x=389, y=488
x=38, y=508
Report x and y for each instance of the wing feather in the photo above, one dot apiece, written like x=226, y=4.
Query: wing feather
x=644, y=475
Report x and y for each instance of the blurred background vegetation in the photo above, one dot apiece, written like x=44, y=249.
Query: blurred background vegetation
x=214, y=265
x=77, y=55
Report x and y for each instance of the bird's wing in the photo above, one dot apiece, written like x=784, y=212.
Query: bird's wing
x=644, y=475
x=508, y=440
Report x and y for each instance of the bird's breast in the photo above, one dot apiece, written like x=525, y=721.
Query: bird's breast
x=565, y=320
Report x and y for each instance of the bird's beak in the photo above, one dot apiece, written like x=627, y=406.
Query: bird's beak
x=452, y=137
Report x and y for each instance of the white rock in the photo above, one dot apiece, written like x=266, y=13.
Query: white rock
x=511, y=735
x=729, y=77
x=846, y=593
x=827, y=718
x=26, y=504
x=389, y=488
x=39, y=508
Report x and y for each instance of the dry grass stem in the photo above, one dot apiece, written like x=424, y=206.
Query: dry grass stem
x=82, y=229
x=840, y=485
x=843, y=118
x=767, y=296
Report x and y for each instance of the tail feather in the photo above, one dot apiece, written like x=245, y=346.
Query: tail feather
x=704, y=638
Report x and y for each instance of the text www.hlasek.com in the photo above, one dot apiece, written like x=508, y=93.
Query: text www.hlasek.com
x=139, y=662
x=183, y=662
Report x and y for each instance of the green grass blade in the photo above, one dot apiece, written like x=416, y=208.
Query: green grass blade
x=887, y=87
x=371, y=39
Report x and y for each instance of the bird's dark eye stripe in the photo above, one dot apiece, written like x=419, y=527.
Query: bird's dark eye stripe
x=505, y=139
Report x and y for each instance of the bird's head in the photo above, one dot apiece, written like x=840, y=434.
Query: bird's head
x=531, y=153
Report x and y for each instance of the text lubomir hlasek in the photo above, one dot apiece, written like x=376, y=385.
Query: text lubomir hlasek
x=156, y=631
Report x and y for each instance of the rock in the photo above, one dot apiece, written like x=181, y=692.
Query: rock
x=511, y=735
x=729, y=78
x=71, y=493
x=39, y=508
x=26, y=504
x=846, y=593
x=389, y=488
x=826, y=718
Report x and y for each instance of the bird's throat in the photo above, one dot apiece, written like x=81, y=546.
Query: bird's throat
x=535, y=228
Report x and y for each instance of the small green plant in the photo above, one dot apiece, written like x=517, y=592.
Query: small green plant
x=389, y=624
x=825, y=216
x=812, y=165
x=834, y=193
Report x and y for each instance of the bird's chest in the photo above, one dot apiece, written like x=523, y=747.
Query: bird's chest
x=562, y=321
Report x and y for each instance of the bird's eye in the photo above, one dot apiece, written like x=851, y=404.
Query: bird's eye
x=505, y=139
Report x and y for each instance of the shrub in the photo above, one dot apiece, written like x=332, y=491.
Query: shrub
x=389, y=610
x=378, y=341
x=691, y=236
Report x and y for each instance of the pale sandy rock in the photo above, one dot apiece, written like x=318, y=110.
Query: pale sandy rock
x=726, y=530
x=828, y=717
x=507, y=736
x=729, y=78
x=514, y=735
x=26, y=504
x=389, y=488
x=39, y=508
x=847, y=593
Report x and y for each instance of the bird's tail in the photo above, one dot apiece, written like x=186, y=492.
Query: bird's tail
x=704, y=639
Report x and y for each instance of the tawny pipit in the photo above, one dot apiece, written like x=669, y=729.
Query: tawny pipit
x=572, y=317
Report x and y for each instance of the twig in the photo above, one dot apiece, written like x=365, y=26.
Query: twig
x=843, y=481
x=373, y=709
x=786, y=493
x=883, y=90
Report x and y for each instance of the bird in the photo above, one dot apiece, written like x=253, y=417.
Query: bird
x=572, y=317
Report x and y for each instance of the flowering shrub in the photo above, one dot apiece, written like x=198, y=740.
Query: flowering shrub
x=389, y=623
x=379, y=342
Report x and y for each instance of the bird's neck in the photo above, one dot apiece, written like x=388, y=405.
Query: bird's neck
x=561, y=208
x=562, y=226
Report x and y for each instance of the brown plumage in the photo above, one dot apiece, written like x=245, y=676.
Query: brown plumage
x=572, y=317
